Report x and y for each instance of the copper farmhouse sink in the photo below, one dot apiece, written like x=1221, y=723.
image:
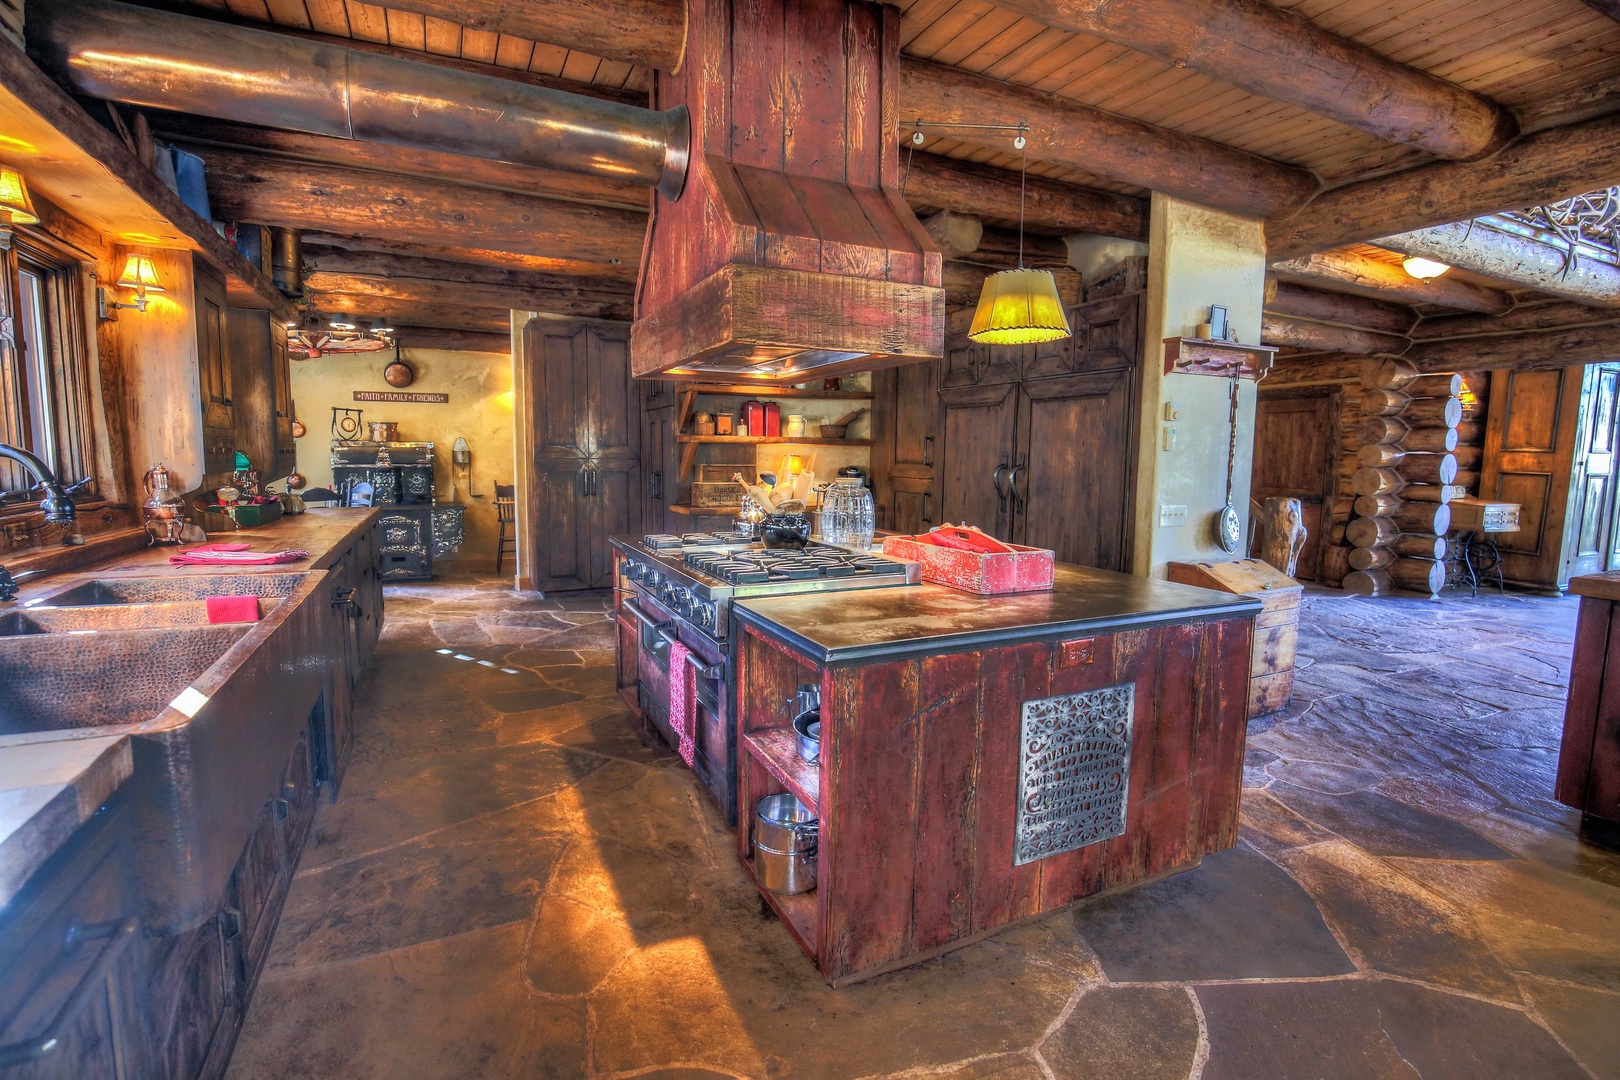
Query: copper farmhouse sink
x=159, y=589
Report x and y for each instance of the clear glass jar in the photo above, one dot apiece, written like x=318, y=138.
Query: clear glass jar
x=864, y=517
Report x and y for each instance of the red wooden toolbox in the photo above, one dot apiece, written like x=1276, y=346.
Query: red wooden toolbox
x=1024, y=569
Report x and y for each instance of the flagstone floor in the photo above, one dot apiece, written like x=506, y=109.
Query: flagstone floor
x=512, y=885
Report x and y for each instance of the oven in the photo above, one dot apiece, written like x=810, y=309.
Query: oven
x=653, y=628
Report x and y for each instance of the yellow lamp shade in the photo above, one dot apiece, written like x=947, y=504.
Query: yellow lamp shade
x=1019, y=307
x=14, y=197
x=1423, y=269
x=139, y=274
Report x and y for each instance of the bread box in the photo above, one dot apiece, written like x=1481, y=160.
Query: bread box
x=1276, y=628
x=1023, y=569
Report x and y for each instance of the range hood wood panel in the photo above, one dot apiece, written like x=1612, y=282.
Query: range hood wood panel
x=790, y=254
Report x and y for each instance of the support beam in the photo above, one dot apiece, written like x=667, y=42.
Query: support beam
x=305, y=196
x=1342, y=309
x=1049, y=206
x=964, y=237
x=1553, y=315
x=956, y=234
x=1304, y=334
x=1068, y=133
x=477, y=320
x=1518, y=260
x=483, y=257
x=1519, y=351
x=556, y=296
x=431, y=337
x=1276, y=53
x=1546, y=167
x=1362, y=276
x=647, y=32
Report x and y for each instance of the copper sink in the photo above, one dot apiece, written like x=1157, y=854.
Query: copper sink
x=128, y=616
x=160, y=589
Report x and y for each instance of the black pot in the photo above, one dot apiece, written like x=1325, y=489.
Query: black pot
x=785, y=531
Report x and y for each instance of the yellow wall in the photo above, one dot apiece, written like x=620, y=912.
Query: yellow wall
x=162, y=394
x=1197, y=257
x=480, y=411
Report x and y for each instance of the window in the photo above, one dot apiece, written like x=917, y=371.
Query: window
x=44, y=389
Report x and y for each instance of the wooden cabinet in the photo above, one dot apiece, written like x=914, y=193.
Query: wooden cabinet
x=658, y=464
x=354, y=622
x=586, y=431
x=1589, y=753
x=906, y=425
x=1276, y=628
x=260, y=391
x=70, y=971
x=980, y=427
x=214, y=373
x=281, y=375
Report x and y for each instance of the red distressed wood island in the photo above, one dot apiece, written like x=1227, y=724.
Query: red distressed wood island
x=988, y=759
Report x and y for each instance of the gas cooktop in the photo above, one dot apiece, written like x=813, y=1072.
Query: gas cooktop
x=757, y=566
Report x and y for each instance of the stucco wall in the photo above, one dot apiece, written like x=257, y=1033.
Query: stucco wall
x=1197, y=257
x=480, y=411
x=162, y=395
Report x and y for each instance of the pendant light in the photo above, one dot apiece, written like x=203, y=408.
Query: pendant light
x=1019, y=307
x=17, y=207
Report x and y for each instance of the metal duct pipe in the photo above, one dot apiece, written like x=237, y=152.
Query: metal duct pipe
x=287, y=261
x=147, y=57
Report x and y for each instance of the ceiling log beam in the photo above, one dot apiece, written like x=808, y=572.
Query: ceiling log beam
x=1266, y=50
x=1301, y=301
x=1066, y=132
x=1517, y=260
x=647, y=32
x=1519, y=350
x=430, y=293
x=478, y=320
x=469, y=256
x=1349, y=272
x=250, y=187
x=433, y=337
x=333, y=261
x=1553, y=315
x=1546, y=167
x=1299, y=333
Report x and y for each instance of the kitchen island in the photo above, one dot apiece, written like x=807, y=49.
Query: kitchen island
x=986, y=760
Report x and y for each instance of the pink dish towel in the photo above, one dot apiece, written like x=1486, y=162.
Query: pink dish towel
x=682, y=703
x=229, y=609
x=233, y=555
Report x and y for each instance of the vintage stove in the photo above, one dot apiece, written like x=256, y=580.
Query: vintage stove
x=681, y=589
x=415, y=528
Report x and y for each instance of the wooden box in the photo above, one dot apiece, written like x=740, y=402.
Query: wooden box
x=1481, y=516
x=1024, y=569
x=712, y=493
x=723, y=472
x=1276, y=628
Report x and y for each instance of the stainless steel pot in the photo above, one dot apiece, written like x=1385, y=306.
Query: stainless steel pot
x=786, y=872
x=783, y=823
x=807, y=729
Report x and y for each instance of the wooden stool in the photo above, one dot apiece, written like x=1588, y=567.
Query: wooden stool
x=506, y=519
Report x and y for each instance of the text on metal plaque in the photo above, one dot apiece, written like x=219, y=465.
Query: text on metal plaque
x=1073, y=771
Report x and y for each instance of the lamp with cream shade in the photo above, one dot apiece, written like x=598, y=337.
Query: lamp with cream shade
x=139, y=274
x=16, y=207
x=1019, y=307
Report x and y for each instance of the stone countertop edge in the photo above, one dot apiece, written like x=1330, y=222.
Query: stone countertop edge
x=1604, y=586
x=812, y=624
x=47, y=791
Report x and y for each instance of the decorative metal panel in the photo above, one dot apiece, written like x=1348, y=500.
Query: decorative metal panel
x=402, y=532
x=1073, y=772
x=447, y=530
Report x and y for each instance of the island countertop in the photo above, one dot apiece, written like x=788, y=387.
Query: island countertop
x=867, y=624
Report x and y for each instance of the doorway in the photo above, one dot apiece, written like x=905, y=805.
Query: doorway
x=1296, y=431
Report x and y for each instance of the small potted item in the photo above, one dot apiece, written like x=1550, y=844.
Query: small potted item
x=704, y=423
x=837, y=428
x=164, y=510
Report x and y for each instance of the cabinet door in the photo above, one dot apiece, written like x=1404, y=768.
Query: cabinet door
x=286, y=445
x=556, y=355
x=906, y=424
x=1107, y=333
x=978, y=431
x=252, y=386
x=214, y=367
x=1073, y=487
x=657, y=462
x=616, y=503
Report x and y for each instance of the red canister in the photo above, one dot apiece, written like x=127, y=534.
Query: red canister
x=773, y=420
x=753, y=417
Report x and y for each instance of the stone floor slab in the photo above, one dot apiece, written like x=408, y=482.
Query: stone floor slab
x=1125, y=1033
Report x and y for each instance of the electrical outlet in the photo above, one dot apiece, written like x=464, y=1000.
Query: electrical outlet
x=1169, y=439
x=1171, y=516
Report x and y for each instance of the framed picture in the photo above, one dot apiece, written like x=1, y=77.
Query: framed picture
x=1217, y=323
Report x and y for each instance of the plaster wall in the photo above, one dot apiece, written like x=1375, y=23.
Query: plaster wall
x=162, y=391
x=1096, y=256
x=1197, y=257
x=479, y=410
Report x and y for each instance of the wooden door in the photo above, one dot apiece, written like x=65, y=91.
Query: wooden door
x=1107, y=333
x=252, y=386
x=556, y=355
x=214, y=365
x=1072, y=489
x=1296, y=433
x=281, y=373
x=1591, y=544
x=614, y=411
x=978, y=427
x=1529, y=454
x=657, y=461
x=906, y=425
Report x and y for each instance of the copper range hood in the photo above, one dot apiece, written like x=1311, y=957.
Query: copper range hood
x=790, y=254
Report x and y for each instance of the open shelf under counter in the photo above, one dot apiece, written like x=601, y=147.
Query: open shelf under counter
x=777, y=750
x=797, y=911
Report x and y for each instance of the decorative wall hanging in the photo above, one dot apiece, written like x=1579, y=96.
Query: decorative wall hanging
x=389, y=395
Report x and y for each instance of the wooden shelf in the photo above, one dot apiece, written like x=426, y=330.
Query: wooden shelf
x=688, y=510
x=777, y=750
x=745, y=391
x=753, y=440
x=1201, y=356
x=797, y=912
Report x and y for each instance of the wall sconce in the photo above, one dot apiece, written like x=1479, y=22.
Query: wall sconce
x=139, y=274
x=1423, y=269
x=16, y=208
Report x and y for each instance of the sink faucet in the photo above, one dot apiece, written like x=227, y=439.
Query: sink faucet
x=56, y=504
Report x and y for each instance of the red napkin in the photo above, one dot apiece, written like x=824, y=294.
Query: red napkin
x=682, y=702
x=233, y=555
x=226, y=609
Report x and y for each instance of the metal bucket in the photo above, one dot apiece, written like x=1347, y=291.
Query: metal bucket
x=783, y=823
x=785, y=872
x=807, y=734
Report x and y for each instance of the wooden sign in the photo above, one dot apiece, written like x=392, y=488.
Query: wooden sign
x=397, y=395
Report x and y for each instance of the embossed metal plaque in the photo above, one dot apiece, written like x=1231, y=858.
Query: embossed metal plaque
x=1073, y=771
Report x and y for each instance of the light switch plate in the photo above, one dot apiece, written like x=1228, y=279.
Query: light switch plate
x=1170, y=516
x=1169, y=438
x=1172, y=410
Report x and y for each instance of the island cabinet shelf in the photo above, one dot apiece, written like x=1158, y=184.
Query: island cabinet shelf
x=940, y=822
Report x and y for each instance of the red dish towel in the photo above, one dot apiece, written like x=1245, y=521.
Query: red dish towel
x=223, y=609
x=682, y=701
x=233, y=555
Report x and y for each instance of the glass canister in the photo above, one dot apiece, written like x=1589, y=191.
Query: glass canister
x=163, y=510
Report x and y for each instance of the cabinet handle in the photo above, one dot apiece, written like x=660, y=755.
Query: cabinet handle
x=658, y=485
x=928, y=508
x=119, y=936
x=928, y=451
x=1019, y=502
x=1001, y=492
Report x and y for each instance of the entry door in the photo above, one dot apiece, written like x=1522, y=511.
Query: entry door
x=1295, y=434
x=1592, y=539
x=978, y=458
x=613, y=412
x=1529, y=457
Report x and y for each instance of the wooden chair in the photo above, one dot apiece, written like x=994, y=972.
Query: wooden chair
x=321, y=496
x=506, y=518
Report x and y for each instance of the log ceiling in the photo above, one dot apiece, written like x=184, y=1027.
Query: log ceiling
x=1367, y=118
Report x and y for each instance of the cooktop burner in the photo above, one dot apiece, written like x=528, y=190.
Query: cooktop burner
x=759, y=566
x=671, y=542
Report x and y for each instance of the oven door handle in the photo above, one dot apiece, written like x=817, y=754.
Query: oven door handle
x=664, y=631
x=715, y=672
